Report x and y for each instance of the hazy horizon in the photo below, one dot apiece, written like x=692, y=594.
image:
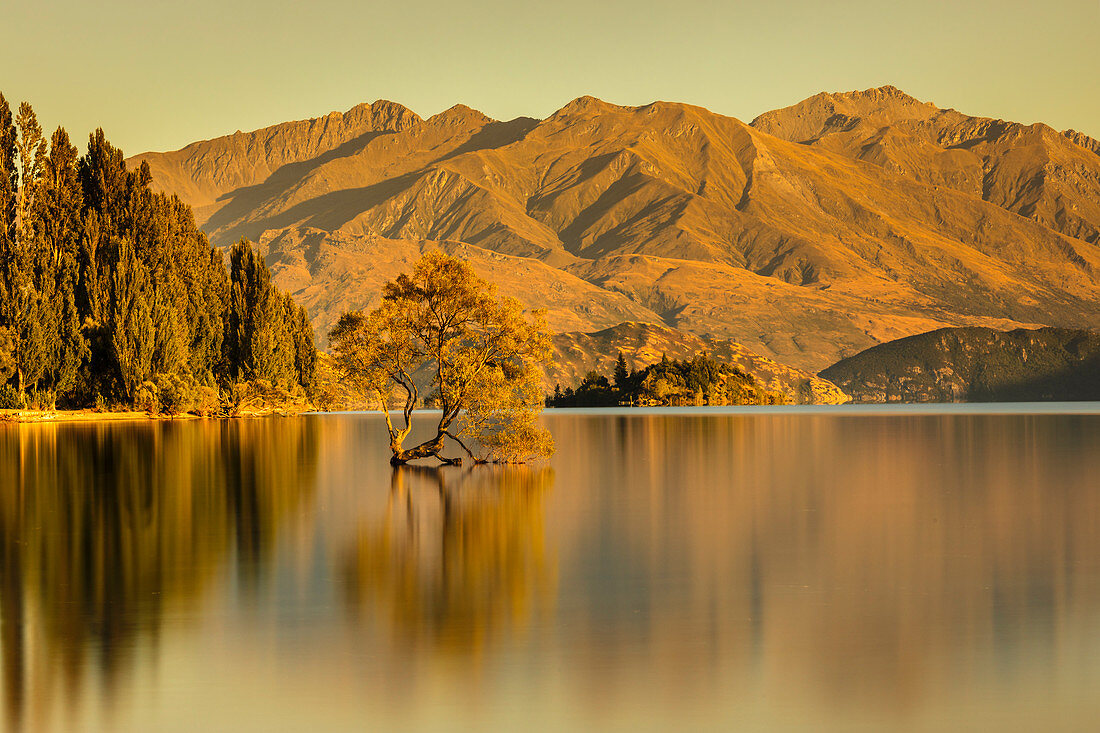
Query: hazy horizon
x=157, y=79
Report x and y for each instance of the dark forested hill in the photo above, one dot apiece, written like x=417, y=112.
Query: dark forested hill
x=975, y=364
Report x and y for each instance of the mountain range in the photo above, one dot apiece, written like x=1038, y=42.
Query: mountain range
x=811, y=234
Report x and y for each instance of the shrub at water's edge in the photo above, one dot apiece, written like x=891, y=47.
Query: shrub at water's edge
x=111, y=297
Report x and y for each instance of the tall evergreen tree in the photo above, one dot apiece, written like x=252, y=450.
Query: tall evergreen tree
x=61, y=202
x=208, y=300
x=104, y=184
x=117, y=288
x=282, y=368
x=305, y=351
x=25, y=302
x=9, y=187
x=250, y=321
x=621, y=373
x=9, y=173
x=129, y=320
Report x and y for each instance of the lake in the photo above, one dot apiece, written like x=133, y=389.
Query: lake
x=933, y=568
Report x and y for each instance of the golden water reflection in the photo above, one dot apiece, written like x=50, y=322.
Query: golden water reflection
x=879, y=565
x=784, y=571
x=458, y=556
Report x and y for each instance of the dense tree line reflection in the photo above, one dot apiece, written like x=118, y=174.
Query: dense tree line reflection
x=103, y=528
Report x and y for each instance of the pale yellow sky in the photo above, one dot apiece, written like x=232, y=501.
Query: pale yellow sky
x=157, y=75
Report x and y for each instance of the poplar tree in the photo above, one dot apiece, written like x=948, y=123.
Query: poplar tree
x=267, y=336
x=208, y=303
x=57, y=265
x=9, y=175
x=9, y=185
x=305, y=352
x=104, y=184
x=129, y=319
x=23, y=302
x=250, y=321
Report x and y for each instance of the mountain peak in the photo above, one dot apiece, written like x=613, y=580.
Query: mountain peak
x=880, y=100
x=460, y=114
x=586, y=105
x=889, y=91
x=806, y=119
x=1083, y=140
x=382, y=114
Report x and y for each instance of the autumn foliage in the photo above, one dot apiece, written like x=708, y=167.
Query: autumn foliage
x=442, y=337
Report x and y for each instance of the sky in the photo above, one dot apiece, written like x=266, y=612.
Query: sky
x=157, y=75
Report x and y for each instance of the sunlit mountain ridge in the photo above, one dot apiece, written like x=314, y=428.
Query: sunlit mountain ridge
x=818, y=231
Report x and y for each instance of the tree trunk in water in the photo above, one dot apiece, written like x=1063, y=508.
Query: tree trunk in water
x=427, y=449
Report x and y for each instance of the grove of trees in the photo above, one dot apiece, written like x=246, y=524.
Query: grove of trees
x=700, y=380
x=110, y=295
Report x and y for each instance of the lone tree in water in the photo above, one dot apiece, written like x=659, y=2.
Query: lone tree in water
x=442, y=332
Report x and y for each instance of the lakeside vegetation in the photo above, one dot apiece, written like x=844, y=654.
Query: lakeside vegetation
x=112, y=298
x=670, y=382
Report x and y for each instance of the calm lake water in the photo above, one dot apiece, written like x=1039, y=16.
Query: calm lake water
x=757, y=570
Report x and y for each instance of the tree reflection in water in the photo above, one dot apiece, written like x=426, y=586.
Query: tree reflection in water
x=458, y=558
x=105, y=529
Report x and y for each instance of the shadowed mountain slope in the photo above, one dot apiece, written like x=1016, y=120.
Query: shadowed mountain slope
x=204, y=173
x=975, y=364
x=665, y=213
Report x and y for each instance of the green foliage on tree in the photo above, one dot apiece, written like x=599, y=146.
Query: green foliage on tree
x=268, y=336
x=109, y=292
x=22, y=308
x=621, y=374
x=61, y=204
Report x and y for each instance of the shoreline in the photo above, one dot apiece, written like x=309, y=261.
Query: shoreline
x=30, y=417
x=67, y=416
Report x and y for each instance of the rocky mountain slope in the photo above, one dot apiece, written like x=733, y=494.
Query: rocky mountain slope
x=776, y=235
x=332, y=272
x=1032, y=170
x=975, y=364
